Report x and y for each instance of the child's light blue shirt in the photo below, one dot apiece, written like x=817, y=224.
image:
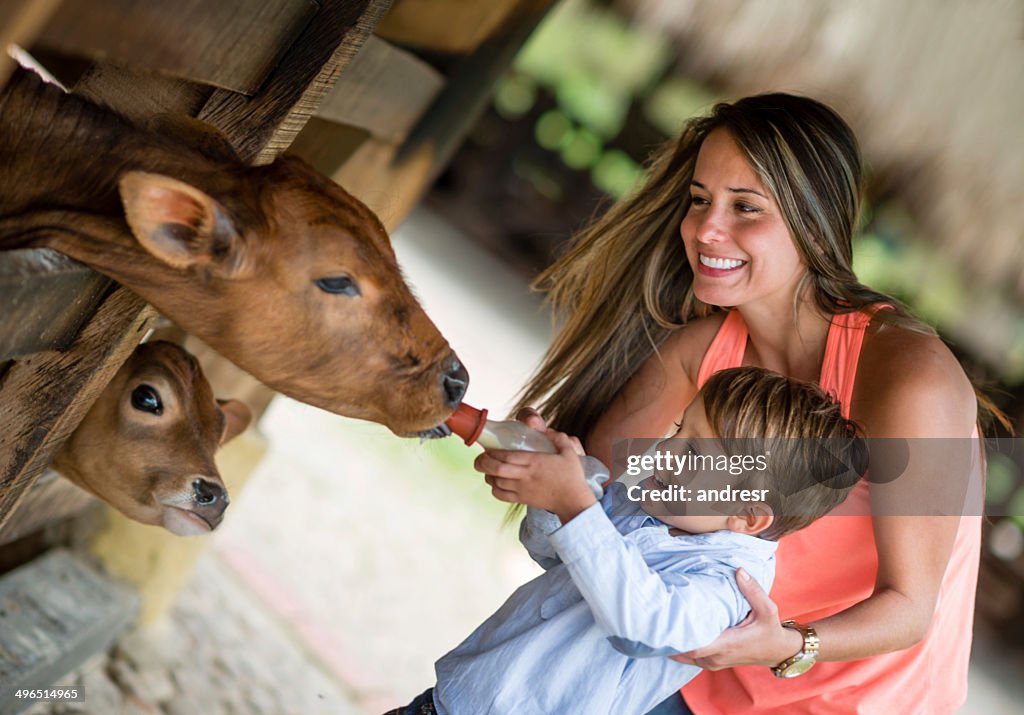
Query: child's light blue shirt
x=592, y=634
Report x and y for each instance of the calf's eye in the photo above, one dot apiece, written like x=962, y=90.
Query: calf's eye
x=342, y=285
x=145, y=398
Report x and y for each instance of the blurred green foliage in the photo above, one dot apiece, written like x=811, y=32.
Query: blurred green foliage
x=596, y=65
x=615, y=173
x=581, y=149
x=1002, y=487
x=552, y=129
x=595, y=61
x=892, y=257
x=674, y=100
x=1002, y=478
x=514, y=96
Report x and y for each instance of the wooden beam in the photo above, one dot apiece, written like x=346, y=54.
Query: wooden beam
x=391, y=188
x=46, y=395
x=51, y=499
x=233, y=44
x=391, y=178
x=384, y=90
x=46, y=298
x=449, y=26
x=140, y=95
x=327, y=145
x=469, y=87
x=57, y=612
x=264, y=125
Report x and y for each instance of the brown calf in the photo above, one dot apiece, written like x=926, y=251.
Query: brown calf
x=146, y=446
x=276, y=267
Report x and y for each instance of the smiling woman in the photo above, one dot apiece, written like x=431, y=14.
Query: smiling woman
x=737, y=250
x=734, y=232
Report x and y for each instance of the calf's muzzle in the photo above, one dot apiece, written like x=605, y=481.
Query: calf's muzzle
x=209, y=500
x=455, y=381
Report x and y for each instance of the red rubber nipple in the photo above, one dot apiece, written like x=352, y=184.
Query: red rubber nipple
x=467, y=422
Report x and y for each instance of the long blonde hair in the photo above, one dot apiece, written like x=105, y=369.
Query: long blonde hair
x=625, y=283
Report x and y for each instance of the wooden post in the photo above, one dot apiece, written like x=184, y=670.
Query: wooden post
x=46, y=298
x=232, y=44
x=264, y=125
x=57, y=611
x=46, y=395
x=391, y=177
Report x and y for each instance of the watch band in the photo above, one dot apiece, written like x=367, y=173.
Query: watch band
x=805, y=658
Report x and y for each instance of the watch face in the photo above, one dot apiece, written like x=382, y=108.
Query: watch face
x=798, y=668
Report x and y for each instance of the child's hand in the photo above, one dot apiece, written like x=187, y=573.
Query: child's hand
x=547, y=481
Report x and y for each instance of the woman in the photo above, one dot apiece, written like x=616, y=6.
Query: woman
x=737, y=250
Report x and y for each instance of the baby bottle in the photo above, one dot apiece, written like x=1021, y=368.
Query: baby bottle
x=473, y=426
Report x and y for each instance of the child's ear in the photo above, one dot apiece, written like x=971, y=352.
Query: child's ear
x=752, y=519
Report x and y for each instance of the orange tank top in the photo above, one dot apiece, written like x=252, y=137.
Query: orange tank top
x=830, y=566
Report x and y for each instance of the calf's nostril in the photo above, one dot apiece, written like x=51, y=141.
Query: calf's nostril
x=206, y=493
x=455, y=382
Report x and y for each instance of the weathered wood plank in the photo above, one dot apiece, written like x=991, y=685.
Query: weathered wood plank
x=469, y=86
x=326, y=145
x=57, y=611
x=391, y=178
x=141, y=95
x=232, y=44
x=46, y=297
x=452, y=26
x=51, y=498
x=20, y=23
x=45, y=396
x=384, y=90
x=389, y=186
x=264, y=125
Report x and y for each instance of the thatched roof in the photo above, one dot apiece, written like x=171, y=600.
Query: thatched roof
x=933, y=89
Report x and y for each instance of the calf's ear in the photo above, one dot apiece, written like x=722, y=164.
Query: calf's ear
x=237, y=417
x=179, y=224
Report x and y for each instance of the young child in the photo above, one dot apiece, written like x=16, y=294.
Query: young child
x=623, y=590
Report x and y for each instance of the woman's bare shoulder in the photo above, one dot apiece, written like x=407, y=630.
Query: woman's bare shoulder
x=687, y=345
x=659, y=391
x=911, y=381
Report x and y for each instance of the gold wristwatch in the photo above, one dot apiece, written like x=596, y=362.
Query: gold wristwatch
x=801, y=662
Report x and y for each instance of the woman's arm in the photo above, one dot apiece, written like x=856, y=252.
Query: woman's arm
x=908, y=386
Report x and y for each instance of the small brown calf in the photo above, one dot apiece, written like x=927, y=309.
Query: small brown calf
x=275, y=267
x=146, y=446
